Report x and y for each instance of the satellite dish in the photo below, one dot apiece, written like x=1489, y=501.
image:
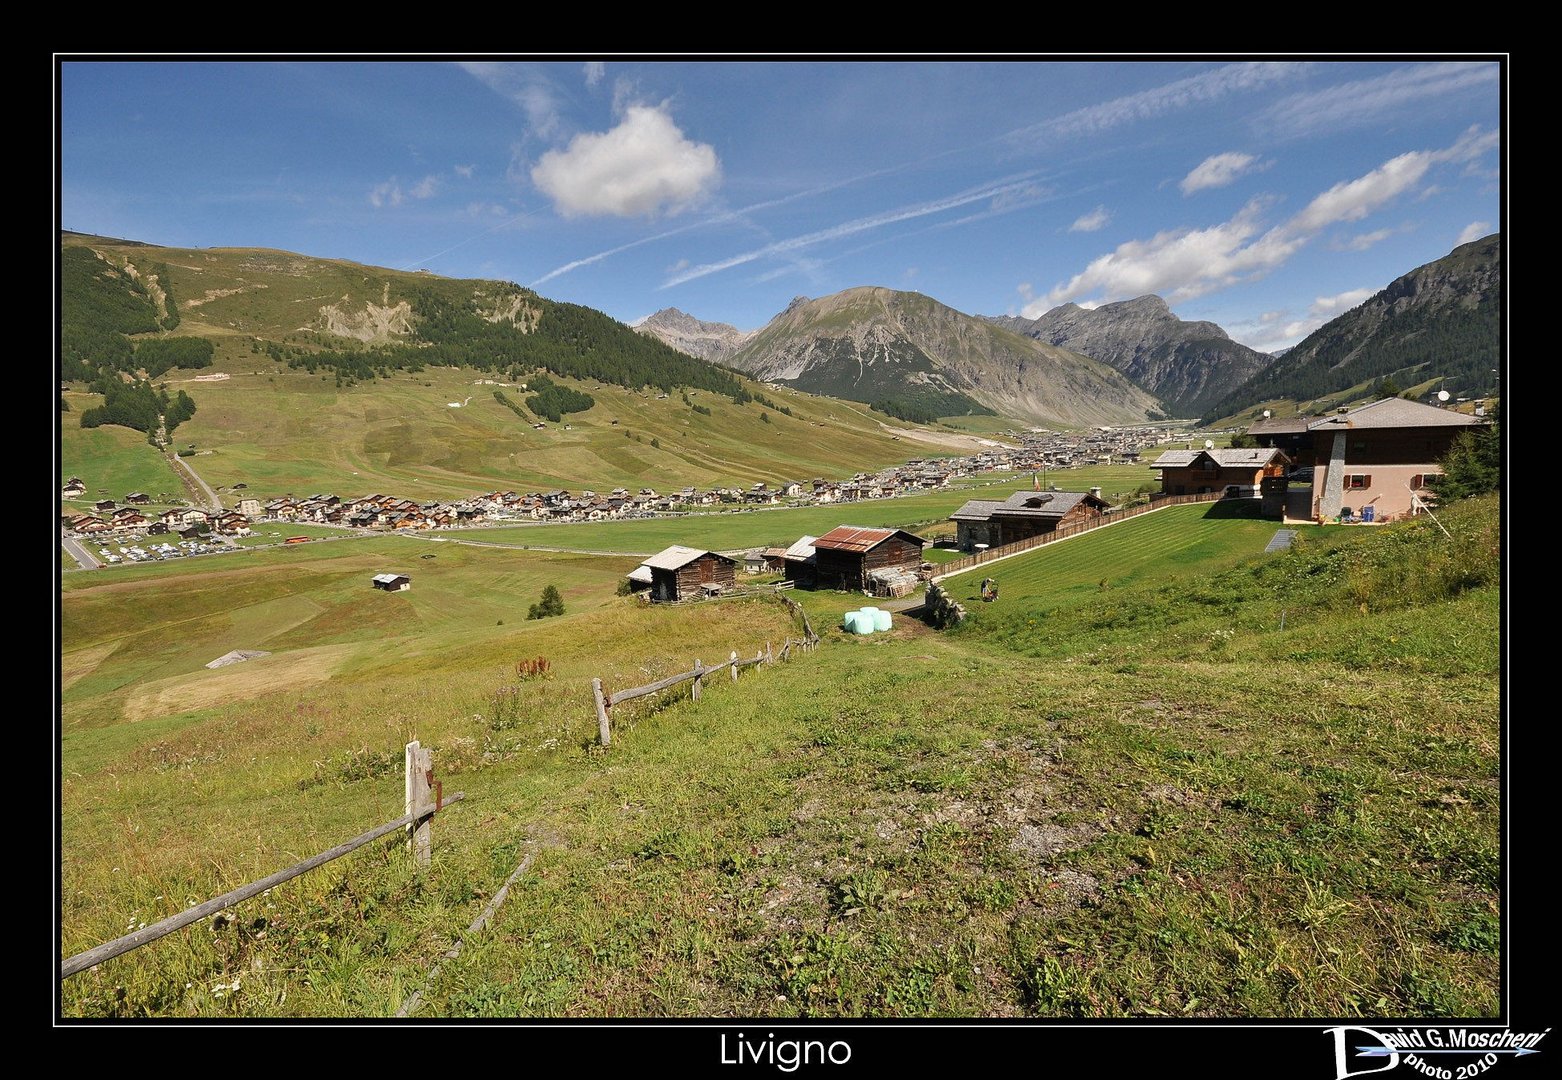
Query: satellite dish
x=1267, y=414
x=1209, y=444
x=1442, y=395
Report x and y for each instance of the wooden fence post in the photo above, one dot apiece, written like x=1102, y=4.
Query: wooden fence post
x=733, y=660
x=420, y=763
x=699, y=676
x=604, y=733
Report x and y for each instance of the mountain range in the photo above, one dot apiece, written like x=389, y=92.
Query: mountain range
x=919, y=359
x=1188, y=365
x=1439, y=325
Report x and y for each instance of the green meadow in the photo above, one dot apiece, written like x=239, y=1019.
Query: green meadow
x=1165, y=775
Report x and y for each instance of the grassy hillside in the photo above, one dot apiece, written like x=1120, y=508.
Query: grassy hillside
x=282, y=428
x=1147, y=799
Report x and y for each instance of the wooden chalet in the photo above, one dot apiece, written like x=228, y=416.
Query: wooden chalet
x=849, y=556
x=1376, y=463
x=984, y=522
x=392, y=582
x=685, y=573
x=1239, y=474
x=1289, y=435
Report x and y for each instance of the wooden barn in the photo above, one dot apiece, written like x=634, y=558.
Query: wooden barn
x=392, y=582
x=799, y=562
x=848, y=556
x=685, y=573
x=1024, y=514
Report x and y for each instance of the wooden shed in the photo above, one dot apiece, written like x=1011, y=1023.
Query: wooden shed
x=392, y=582
x=685, y=573
x=846, y=556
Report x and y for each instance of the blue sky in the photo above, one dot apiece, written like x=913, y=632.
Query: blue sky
x=1264, y=196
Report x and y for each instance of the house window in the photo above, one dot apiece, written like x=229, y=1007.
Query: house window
x=1356, y=481
x=1426, y=480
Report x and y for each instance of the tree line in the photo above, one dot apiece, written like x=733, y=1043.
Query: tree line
x=568, y=340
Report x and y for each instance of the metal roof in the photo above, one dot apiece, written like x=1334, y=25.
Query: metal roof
x=386, y=579
x=1395, y=413
x=856, y=538
x=677, y=557
x=802, y=550
x=642, y=574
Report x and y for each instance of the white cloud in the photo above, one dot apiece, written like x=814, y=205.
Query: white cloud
x=1473, y=231
x=593, y=70
x=1352, y=200
x=642, y=166
x=386, y=194
x=1362, y=241
x=1216, y=171
x=1180, y=263
x=1196, y=90
x=465, y=171
x=1325, y=308
x=1186, y=262
x=1366, y=101
x=1092, y=221
x=1278, y=329
x=677, y=266
x=1025, y=289
x=425, y=188
x=527, y=85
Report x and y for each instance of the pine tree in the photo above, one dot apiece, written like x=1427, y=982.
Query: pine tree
x=551, y=604
x=1474, y=463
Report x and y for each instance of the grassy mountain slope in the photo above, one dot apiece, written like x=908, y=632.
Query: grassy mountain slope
x=280, y=427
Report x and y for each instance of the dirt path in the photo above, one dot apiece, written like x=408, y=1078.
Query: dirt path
x=199, y=490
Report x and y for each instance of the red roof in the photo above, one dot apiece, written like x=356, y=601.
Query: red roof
x=853, y=538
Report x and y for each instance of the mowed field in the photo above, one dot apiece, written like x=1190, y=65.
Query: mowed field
x=1167, y=545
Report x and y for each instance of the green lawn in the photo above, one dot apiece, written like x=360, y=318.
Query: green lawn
x=112, y=461
x=1165, y=545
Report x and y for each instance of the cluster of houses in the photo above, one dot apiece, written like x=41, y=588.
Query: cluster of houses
x=1374, y=463
x=882, y=562
x=109, y=518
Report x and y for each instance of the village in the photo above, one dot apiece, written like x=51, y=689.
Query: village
x=1400, y=441
x=1037, y=450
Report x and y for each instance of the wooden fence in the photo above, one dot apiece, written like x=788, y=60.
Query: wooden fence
x=968, y=562
x=420, y=809
x=699, y=673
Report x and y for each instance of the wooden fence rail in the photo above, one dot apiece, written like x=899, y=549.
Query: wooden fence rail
x=415, y=820
x=967, y=562
x=696, y=675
